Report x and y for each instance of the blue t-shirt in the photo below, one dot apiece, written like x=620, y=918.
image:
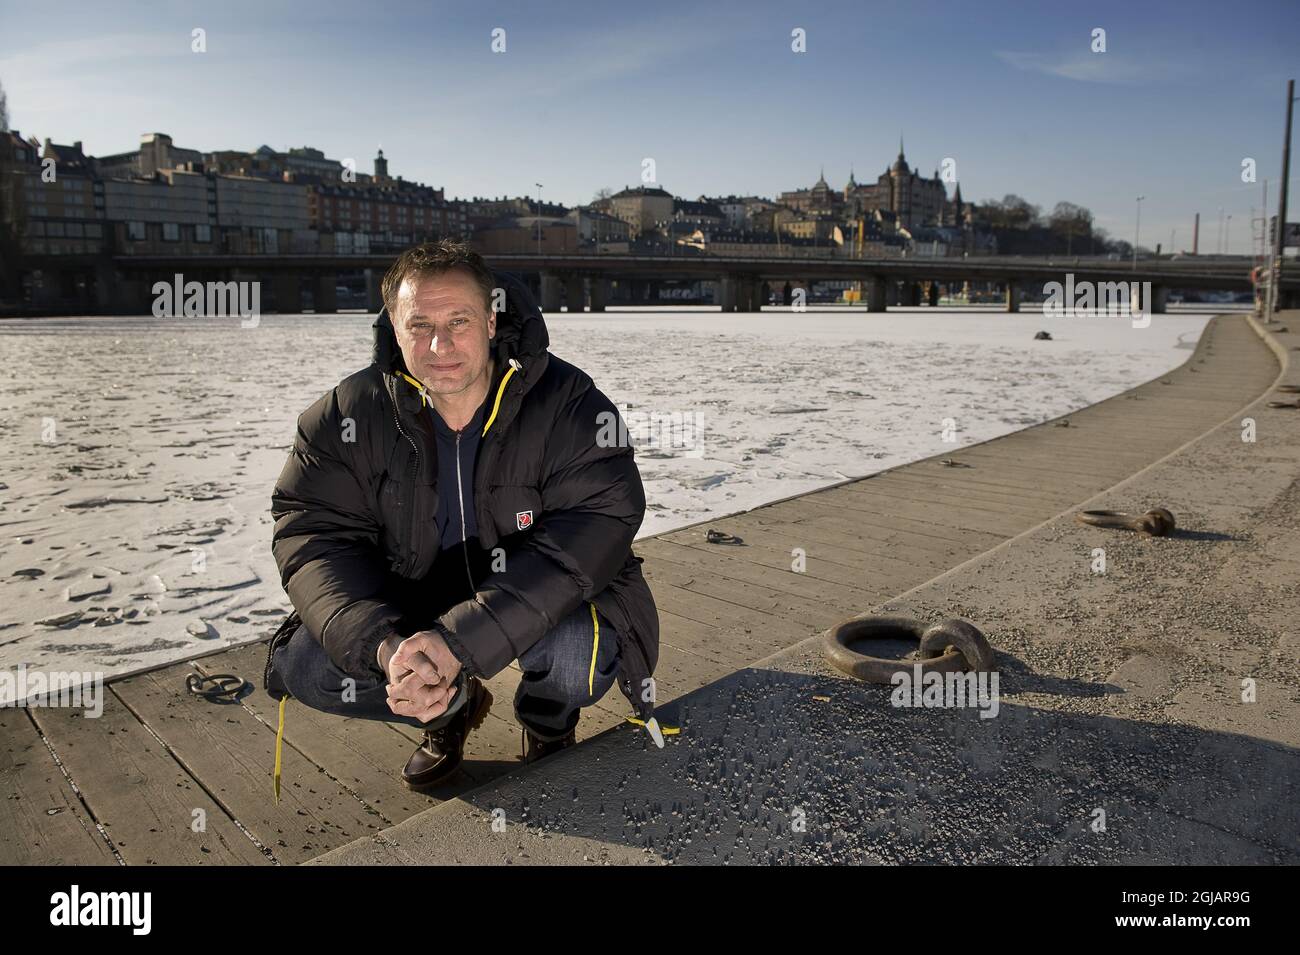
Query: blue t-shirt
x=450, y=502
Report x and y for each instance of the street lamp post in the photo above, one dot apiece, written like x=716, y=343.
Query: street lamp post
x=539, y=217
x=1137, y=231
x=1279, y=240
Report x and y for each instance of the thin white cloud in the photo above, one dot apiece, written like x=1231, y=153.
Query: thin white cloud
x=591, y=59
x=1082, y=67
x=94, y=55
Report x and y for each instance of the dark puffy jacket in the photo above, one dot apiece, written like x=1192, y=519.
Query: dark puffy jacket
x=356, y=537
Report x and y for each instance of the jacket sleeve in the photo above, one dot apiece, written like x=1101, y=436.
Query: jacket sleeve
x=592, y=506
x=326, y=539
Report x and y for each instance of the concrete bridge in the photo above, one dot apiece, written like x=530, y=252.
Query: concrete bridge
x=578, y=281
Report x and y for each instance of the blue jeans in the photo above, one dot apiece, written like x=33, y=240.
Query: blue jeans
x=559, y=678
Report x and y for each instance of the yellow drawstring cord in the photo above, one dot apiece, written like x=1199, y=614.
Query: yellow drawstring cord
x=591, y=675
x=496, y=405
x=279, y=745
x=591, y=680
x=595, y=647
x=663, y=727
x=419, y=386
x=501, y=390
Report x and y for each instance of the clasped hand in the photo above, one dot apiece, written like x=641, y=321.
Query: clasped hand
x=422, y=674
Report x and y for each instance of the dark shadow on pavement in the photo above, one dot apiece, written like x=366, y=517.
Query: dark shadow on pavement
x=765, y=772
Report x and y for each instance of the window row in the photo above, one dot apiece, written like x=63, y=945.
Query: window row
x=75, y=230
x=171, y=232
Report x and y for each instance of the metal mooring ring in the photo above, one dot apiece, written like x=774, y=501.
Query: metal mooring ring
x=225, y=686
x=948, y=658
x=958, y=634
x=1157, y=522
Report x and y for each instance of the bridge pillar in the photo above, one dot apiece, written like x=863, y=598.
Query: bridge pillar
x=743, y=293
x=1013, y=297
x=787, y=294
x=374, y=290
x=104, y=282
x=932, y=295
x=326, y=298
x=575, y=296
x=1159, y=299
x=598, y=294
x=130, y=295
x=551, y=289
x=726, y=293
x=913, y=293
x=891, y=292
x=286, y=292
x=876, y=288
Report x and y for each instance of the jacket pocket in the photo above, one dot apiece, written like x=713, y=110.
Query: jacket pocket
x=391, y=510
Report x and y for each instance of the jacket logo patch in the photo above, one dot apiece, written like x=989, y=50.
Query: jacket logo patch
x=524, y=520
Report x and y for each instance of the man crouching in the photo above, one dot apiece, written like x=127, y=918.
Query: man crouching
x=452, y=508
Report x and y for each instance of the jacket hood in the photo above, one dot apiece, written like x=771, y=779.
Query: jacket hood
x=521, y=331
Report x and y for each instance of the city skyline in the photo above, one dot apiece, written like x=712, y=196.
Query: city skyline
x=582, y=97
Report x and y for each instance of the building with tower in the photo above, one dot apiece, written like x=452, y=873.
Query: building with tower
x=913, y=199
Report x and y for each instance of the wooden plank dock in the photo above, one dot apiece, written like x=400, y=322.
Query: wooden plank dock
x=164, y=777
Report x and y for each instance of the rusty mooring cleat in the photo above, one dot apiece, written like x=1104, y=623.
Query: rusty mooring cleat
x=1157, y=522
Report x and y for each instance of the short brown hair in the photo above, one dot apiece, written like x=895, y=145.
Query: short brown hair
x=437, y=258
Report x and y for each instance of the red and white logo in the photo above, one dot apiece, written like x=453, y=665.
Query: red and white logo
x=524, y=520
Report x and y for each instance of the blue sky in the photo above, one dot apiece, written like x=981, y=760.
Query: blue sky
x=712, y=92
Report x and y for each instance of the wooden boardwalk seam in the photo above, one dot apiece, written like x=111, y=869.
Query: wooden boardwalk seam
x=128, y=787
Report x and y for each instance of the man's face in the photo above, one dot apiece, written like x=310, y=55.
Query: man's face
x=444, y=330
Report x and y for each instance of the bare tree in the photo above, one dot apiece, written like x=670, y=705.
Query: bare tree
x=4, y=110
x=1070, y=222
x=1012, y=212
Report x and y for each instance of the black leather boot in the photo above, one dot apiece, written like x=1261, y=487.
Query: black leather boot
x=443, y=748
